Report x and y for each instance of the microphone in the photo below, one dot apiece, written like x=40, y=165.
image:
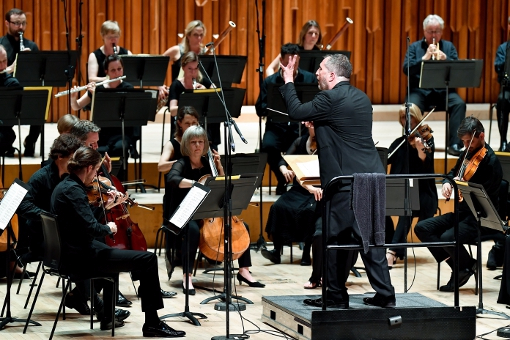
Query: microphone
x=209, y=44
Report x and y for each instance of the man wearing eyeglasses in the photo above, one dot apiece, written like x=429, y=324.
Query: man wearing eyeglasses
x=432, y=47
x=16, y=23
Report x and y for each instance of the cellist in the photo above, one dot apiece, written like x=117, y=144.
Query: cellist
x=483, y=167
x=184, y=173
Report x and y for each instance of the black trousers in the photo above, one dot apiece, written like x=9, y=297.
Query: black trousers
x=504, y=290
x=456, y=108
x=342, y=228
x=440, y=229
x=110, y=262
x=194, y=240
x=317, y=253
x=502, y=110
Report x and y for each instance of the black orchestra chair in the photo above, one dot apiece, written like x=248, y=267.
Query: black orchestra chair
x=52, y=261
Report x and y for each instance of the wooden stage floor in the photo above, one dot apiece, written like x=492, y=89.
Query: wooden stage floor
x=282, y=279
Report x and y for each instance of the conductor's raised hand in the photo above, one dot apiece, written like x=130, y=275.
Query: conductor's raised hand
x=288, y=70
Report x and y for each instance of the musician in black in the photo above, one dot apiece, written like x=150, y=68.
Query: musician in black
x=16, y=23
x=184, y=173
x=502, y=67
x=7, y=134
x=441, y=228
x=279, y=136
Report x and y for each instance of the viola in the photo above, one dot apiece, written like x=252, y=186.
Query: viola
x=128, y=236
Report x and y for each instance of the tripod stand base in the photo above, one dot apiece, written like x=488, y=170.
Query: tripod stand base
x=189, y=315
x=490, y=312
x=223, y=296
x=230, y=337
x=8, y=319
x=222, y=307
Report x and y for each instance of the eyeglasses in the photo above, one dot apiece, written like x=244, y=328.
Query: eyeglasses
x=434, y=32
x=18, y=23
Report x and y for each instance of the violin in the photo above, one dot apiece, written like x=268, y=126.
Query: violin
x=424, y=132
x=128, y=236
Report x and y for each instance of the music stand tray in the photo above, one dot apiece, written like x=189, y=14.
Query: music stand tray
x=44, y=68
x=209, y=106
x=310, y=60
x=275, y=101
x=145, y=69
x=230, y=67
x=482, y=208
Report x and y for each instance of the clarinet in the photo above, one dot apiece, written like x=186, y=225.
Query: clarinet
x=21, y=46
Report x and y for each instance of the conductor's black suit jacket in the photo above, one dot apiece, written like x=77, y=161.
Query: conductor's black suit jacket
x=342, y=118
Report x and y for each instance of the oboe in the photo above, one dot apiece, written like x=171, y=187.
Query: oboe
x=81, y=88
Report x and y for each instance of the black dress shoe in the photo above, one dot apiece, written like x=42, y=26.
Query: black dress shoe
x=272, y=255
x=255, y=284
x=343, y=304
x=122, y=301
x=166, y=295
x=120, y=314
x=454, y=150
x=495, y=258
x=464, y=276
x=306, y=260
x=10, y=152
x=107, y=324
x=192, y=291
x=161, y=331
x=503, y=146
x=73, y=302
x=381, y=301
x=29, y=149
x=281, y=189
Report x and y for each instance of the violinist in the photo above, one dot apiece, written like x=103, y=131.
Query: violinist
x=85, y=256
x=184, y=173
x=476, y=164
x=415, y=156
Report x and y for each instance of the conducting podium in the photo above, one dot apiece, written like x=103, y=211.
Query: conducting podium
x=446, y=74
x=145, y=69
x=122, y=108
x=24, y=106
x=46, y=68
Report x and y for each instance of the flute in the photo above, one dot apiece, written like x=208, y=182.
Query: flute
x=81, y=88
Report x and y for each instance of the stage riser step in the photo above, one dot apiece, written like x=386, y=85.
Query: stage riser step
x=415, y=317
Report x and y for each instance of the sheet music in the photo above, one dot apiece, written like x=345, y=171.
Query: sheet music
x=10, y=203
x=188, y=206
x=310, y=169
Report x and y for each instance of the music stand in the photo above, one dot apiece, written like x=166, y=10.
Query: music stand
x=147, y=70
x=231, y=68
x=8, y=207
x=310, y=60
x=242, y=190
x=46, y=68
x=209, y=106
x=27, y=106
x=251, y=164
x=487, y=216
x=123, y=108
x=275, y=101
x=446, y=74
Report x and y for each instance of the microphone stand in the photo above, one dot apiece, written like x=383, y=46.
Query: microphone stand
x=261, y=242
x=227, y=304
x=408, y=213
x=69, y=72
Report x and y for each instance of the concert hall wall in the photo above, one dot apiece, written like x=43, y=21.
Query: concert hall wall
x=377, y=39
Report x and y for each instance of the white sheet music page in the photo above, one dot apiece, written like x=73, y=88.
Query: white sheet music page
x=10, y=203
x=188, y=206
x=310, y=169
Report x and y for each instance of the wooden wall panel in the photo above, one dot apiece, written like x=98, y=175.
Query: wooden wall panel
x=377, y=39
